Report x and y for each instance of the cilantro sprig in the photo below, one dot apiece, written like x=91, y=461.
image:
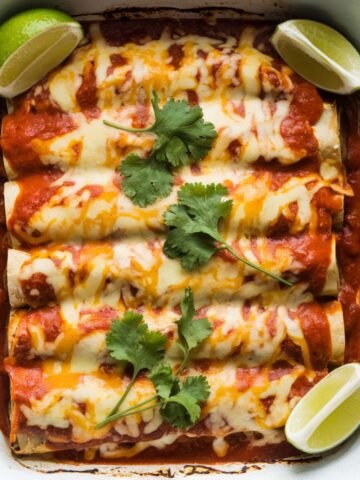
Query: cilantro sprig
x=194, y=235
x=179, y=399
x=182, y=137
x=129, y=340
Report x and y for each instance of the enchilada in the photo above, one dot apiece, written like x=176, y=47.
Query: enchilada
x=138, y=271
x=51, y=206
x=277, y=326
x=60, y=408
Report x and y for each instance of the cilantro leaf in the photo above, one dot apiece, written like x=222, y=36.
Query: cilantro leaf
x=180, y=401
x=194, y=250
x=200, y=209
x=145, y=180
x=205, y=205
x=182, y=134
x=183, y=409
x=194, y=235
x=164, y=380
x=130, y=340
x=194, y=224
x=191, y=332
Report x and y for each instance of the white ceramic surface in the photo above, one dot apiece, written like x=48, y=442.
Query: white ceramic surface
x=344, y=464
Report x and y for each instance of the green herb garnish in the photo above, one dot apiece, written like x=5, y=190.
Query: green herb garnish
x=129, y=340
x=179, y=399
x=183, y=137
x=145, y=180
x=194, y=235
x=191, y=332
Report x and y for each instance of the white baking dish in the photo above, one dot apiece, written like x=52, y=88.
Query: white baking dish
x=344, y=463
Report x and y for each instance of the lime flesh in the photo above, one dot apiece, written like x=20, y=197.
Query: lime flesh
x=40, y=40
x=320, y=54
x=338, y=425
x=316, y=73
x=329, y=413
x=318, y=398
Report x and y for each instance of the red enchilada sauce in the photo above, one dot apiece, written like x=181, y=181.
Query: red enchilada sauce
x=4, y=308
x=305, y=110
x=35, y=191
x=349, y=244
x=86, y=95
x=19, y=129
x=316, y=329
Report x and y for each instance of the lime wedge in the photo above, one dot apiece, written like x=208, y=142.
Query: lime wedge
x=320, y=54
x=31, y=44
x=329, y=413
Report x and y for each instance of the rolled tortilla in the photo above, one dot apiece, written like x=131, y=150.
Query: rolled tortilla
x=138, y=271
x=90, y=205
x=74, y=401
x=16, y=259
x=282, y=326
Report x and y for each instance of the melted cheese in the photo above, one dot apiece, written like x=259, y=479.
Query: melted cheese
x=151, y=275
x=253, y=333
x=73, y=212
x=113, y=450
x=229, y=409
